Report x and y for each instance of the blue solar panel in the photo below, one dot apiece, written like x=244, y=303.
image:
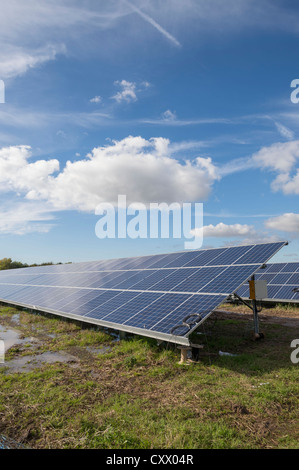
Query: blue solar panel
x=193, y=311
x=132, y=307
x=164, y=296
x=199, y=279
x=258, y=254
x=282, y=279
x=265, y=277
x=151, y=280
x=170, y=281
x=206, y=257
x=290, y=267
x=230, y=279
x=157, y=310
x=226, y=256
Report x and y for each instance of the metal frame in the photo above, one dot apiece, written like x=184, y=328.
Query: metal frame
x=181, y=340
x=277, y=301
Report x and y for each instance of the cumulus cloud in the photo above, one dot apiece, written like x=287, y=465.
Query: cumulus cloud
x=235, y=234
x=96, y=99
x=17, y=174
x=288, y=222
x=222, y=230
x=282, y=159
x=127, y=92
x=169, y=115
x=143, y=170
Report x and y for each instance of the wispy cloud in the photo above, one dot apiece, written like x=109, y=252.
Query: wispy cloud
x=15, y=61
x=175, y=122
x=22, y=218
x=284, y=131
x=15, y=117
x=154, y=23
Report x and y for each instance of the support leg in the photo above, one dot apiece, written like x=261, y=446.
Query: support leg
x=122, y=335
x=184, y=352
x=257, y=333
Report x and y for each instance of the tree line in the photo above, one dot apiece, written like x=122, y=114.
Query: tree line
x=8, y=263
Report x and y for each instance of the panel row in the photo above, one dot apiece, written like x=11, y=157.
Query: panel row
x=275, y=292
x=282, y=279
x=146, y=310
x=249, y=254
x=191, y=280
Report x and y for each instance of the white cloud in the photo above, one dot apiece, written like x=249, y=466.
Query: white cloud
x=25, y=217
x=154, y=23
x=17, y=174
x=222, y=230
x=15, y=61
x=169, y=115
x=288, y=222
x=281, y=158
x=18, y=118
x=96, y=99
x=185, y=122
x=33, y=24
x=127, y=93
x=143, y=170
x=236, y=234
x=61, y=134
x=284, y=131
x=129, y=90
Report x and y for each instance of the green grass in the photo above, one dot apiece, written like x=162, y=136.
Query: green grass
x=137, y=395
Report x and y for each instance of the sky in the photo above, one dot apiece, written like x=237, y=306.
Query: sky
x=161, y=101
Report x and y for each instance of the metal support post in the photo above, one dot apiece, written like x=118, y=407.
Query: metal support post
x=257, y=334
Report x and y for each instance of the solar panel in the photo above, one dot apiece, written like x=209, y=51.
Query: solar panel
x=282, y=280
x=161, y=296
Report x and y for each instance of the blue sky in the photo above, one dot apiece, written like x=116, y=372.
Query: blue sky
x=162, y=101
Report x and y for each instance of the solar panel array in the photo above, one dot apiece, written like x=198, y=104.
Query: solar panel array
x=282, y=280
x=161, y=296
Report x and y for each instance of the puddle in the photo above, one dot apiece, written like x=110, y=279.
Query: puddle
x=16, y=318
x=29, y=363
x=221, y=353
x=113, y=333
x=102, y=350
x=12, y=338
x=44, y=332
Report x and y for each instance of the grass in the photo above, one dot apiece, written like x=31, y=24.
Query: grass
x=137, y=396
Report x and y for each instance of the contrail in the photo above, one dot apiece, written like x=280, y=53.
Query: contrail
x=154, y=24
